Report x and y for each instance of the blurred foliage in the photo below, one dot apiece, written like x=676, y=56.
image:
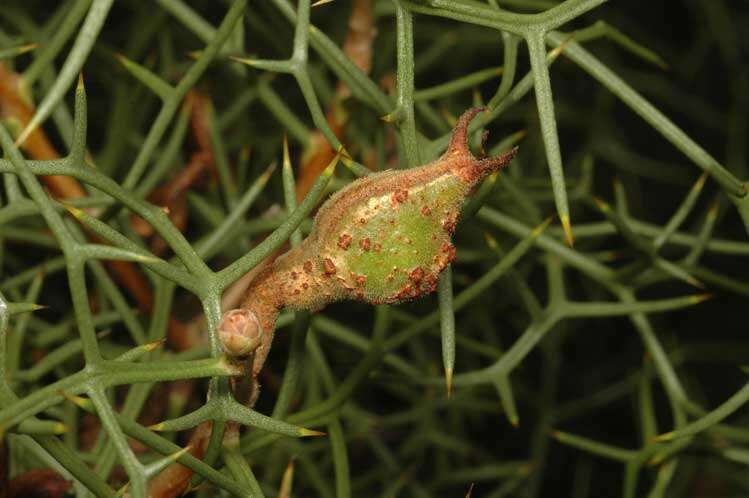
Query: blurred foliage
x=610, y=367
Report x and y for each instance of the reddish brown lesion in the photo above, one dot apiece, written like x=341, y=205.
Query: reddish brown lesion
x=344, y=241
x=328, y=266
x=416, y=275
x=449, y=224
x=399, y=197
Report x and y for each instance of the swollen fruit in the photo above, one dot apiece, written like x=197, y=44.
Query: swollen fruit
x=384, y=238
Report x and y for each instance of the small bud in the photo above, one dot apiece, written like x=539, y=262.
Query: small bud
x=239, y=333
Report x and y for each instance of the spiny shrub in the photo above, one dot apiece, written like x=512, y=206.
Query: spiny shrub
x=150, y=252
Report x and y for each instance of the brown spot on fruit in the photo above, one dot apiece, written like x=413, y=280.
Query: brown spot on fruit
x=399, y=197
x=449, y=225
x=364, y=243
x=425, y=210
x=305, y=285
x=294, y=275
x=328, y=266
x=416, y=275
x=377, y=247
x=363, y=221
x=450, y=251
x=361, y=280
x=307, y=266
x=344, y=241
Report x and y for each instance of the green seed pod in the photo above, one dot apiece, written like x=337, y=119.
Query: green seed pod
x=384, y=238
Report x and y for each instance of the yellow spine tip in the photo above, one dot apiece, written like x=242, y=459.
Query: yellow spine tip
x=449, y=382
x=699, y=298
x=668, y=436
x=286, y=157
x=343, y=152
x=27, y=48
x=695, y=282
x=81, y=85
x=700, y=181
x=514, y=421
x=567, y=227
x=540, y=228
x=330, y=169
x=521, y=134
x=470, y=491
x=265, y=176
x=74, y=211
x=601, y=204
x=36, y=307
x=321, y=2
x=24, y=135
x=60, y=428
x=242, y=60
x=156, y=427
x=153, y=345
x=177, y=454
x=311, y=433
x=77, y=400
x=490, y=241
